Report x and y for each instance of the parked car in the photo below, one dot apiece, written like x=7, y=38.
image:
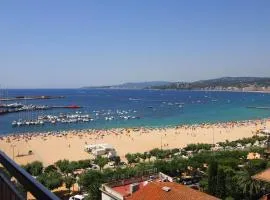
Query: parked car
x=78, y=197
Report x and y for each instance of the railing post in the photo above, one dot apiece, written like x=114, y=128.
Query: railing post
x=25, y=179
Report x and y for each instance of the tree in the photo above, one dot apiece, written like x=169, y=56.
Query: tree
x=51, y=180
x=174, y=151
x=161, y=154
x=83, y=164
x=131, y=158
x=204, y=184
x=178, y=165
x=221, y=183
x=35, y=168
x=143, y=156
x=108, y=174
x=94, y=192
x=256, y=165
x=101, y=161
x=250, y=187
x=64, y=166
x=91, y=182
x=116, y=160
x=154, y=152
x=212, y=177
x=69, y=182
x=162, y=166
x=50, y=168
x=148, y=156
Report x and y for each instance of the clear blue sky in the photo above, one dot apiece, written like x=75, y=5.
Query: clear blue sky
x=67, y=44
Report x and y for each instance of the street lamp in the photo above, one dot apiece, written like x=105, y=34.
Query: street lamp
x=13, y=146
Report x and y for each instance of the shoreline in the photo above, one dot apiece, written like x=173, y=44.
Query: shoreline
x=130, y=127
x=48, y=147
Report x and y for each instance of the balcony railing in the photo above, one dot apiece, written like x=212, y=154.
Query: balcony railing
x=9, y=192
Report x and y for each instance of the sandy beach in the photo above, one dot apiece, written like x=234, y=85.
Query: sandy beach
x=52, y=146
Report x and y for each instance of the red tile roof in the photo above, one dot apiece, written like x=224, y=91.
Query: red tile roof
x=125, y=189
x=153, y=191
x=263, y=176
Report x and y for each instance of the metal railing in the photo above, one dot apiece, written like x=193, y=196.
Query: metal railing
x=8, y=190
x=25, y=179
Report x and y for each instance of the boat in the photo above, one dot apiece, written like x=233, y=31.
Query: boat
x=19, y=123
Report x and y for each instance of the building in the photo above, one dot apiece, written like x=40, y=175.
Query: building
x=101, y=149
x=169, y=191
x=263, y=176
x=252, y=156
x=155, y=187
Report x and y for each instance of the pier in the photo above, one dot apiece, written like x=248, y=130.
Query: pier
x=30, y=98
x=12, y=108
x=70, y=107
x=259, y=107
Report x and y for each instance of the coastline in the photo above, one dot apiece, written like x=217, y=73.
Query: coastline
x=49, y=147
x=198, y=90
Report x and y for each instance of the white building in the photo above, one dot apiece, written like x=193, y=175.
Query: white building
x=101, y=149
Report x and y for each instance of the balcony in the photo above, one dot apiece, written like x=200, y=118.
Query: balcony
x=8, y=190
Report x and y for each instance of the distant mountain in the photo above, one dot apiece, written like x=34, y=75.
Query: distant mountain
x=138, y=85
x=225, y=83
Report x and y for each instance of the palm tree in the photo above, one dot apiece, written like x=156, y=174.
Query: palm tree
x=143, y=156
x=148, y=155
x=101, y=161
x=250, y=187
x=69, y=182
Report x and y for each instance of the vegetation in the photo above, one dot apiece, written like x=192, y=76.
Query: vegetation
x=90, y=182
x=225, y=83
x=243, y=141
x=101, y=161
x=197, y=147
x=50, y=168
x=212, y=177
x=51, y=180
x=66, y=166
x=35, y=168
x=69, y=182
x=225, y=174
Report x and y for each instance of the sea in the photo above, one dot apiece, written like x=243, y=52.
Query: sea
x=113, y=108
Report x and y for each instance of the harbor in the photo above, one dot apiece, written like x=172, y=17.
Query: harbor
x=77, y=117
x=54, y=119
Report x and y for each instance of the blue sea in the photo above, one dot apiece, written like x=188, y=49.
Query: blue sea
x=151, y=108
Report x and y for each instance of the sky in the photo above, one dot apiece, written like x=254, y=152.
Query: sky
x=70, y=44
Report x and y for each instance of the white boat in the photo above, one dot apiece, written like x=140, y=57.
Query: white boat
x=19, y=123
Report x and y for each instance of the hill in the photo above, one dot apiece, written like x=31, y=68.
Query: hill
x=224, y=83
x=137, y=85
